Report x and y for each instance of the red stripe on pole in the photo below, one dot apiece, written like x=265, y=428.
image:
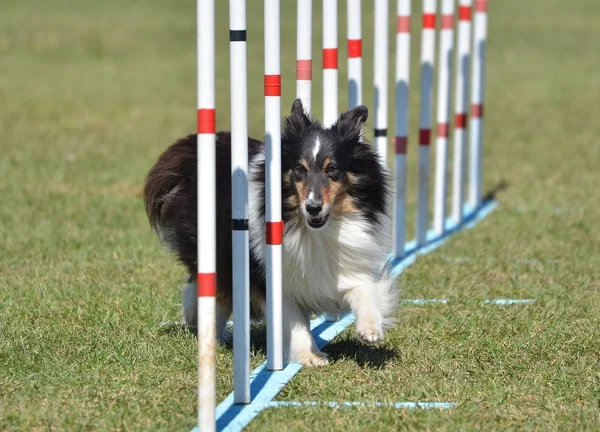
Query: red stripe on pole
x=442, y=130
x=447, y=22
x=429, y=21
x=400, y=143
x=481, y=5
x=206, y=121
x=424, y=137
x=477, y=110
x=274, y=233
x=464, y=13
x=330, y=58
x=403, y=24
x=207, y=284
x=461, y=121
x=304, y=70
x=354, y=48
x=272, y=85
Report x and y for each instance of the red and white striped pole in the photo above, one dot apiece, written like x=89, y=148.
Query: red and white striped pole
x=206, y=209
x=425, y=115
x=477, y=97
x=239, y=200
x=463, y=55
x=274, y=223
x=330, y=63
x=443, y=114
x=380, y=76
x=401, y=117
x=354, y=54
x=304, y=54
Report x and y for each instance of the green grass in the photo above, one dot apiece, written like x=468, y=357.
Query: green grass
x=92, y=92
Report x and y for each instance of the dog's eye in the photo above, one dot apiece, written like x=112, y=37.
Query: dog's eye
x=300, y=170
x=332, y=169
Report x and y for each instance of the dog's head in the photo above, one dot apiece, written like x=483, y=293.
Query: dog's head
x=329, y=172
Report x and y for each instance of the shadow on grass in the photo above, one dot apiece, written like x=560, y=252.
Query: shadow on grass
x=344, y=347
x=347, y=347
x=500, y=187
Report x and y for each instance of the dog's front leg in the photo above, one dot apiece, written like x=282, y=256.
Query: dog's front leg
x=298, y=343
x=369, y=322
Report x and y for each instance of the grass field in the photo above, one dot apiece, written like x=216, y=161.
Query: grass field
x=92, y=92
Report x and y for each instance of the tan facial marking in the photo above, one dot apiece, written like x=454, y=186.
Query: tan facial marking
x=331, y=192
x=344, y=205
x=352, y=178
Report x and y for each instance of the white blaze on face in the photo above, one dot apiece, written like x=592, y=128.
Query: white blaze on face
x=316, y=148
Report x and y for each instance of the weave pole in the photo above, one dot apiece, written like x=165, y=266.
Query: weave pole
x=206, y=210
x=463, y=55
x=330, y=75
x=443, y=114
x=304, y=53
x=427, y=65
x=274, y=223
x=330, y=63
x=354, y=53
x=381, y=78
x=401, y=123
x=239, y=200
x=477, y=97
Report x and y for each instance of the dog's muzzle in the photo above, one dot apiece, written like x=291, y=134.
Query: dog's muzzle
x=314, y=214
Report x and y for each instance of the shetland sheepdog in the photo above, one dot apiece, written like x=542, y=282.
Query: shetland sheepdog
x=335, y=194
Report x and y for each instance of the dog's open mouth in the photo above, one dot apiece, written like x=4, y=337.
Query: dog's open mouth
x=317, y=222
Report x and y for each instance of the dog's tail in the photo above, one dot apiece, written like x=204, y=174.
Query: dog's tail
x=170, y=197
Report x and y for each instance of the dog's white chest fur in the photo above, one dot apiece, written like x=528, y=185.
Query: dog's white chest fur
x=320, y=266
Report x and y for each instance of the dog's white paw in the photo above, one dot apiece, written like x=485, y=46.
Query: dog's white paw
x=369, y=330
x=312, y=359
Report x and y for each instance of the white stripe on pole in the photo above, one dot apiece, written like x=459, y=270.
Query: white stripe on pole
x=330, y=56
x=443, y=114
x=477, y=98
x=239, y=200
x=206, y=239
x=425, y=115
x=401, y=117
x=304, y=54
x=354, y=53
x=463, y=59
x=273, y=184
x=380, y=80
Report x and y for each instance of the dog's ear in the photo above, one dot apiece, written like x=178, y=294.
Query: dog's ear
x=350, y=124
x=297, y=121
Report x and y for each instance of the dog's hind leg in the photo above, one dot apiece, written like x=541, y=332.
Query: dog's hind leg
x=190, y=312
x=298, y=343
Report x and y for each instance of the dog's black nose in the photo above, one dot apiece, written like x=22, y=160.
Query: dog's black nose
x=314, y=209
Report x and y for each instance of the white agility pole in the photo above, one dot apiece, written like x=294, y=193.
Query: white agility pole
x=239, y=200
x=330, y=63
x=354, y=53
x=274, y=224
x=304, y=54
x=477, y=97
x=380, y=76
x=206, y=210
x=443, y=114
x=401, y=122
x=425, y=115
x=463, y=59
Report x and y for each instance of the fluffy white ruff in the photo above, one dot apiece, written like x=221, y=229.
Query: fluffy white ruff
x=328, y=270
